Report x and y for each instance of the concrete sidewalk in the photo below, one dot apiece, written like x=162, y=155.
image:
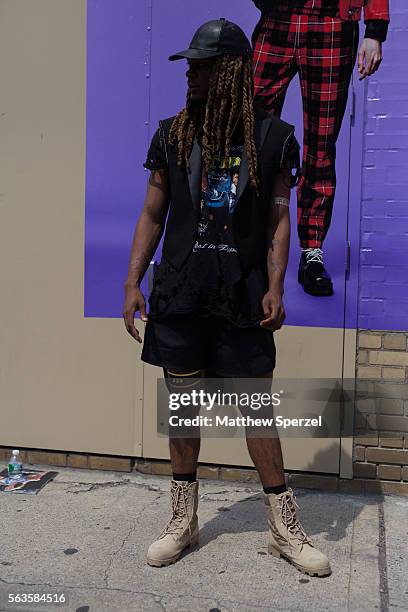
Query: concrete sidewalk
x=86, y=535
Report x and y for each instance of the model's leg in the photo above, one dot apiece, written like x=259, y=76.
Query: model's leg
x=181, y=531
x=273, y=42
x=184, y=451
x=266, y=454
x=184, y=456
x=326, y=57
x=286, y=534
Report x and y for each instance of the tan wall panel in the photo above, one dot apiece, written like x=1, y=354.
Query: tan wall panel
x=347, y=441
x=309, y=352
x=66, y=382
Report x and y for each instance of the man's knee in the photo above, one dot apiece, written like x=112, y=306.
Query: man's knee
x=187, y=383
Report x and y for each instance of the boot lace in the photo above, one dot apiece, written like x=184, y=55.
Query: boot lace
x=288, y=508
x=179, y=505
x=315, y=255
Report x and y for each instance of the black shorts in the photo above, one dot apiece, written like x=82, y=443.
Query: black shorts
x=185, y=343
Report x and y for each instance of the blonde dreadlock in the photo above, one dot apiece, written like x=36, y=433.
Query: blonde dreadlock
x=231, y=85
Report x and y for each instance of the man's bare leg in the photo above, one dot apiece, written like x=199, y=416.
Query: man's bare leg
x=184, y=455
x=184, y=452
x=181, y=531
x=266, y=454
x=286, y=535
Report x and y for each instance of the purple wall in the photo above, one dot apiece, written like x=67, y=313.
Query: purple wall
x=117, y=136
x=383, y=285
x=130, y=85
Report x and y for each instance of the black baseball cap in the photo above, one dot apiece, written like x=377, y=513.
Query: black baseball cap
x=214, y=38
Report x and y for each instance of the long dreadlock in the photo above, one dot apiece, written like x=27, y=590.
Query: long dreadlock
x=231, y=87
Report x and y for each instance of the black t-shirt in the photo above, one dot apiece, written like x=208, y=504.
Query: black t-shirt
x=214, y=252
x=204, y=284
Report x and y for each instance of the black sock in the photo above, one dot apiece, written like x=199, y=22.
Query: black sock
x=186, y=477
x=279, y=489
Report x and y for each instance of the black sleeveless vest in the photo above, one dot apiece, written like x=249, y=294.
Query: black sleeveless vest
x=272, y=137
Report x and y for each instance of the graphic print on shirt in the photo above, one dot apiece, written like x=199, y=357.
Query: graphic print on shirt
x=218, y=199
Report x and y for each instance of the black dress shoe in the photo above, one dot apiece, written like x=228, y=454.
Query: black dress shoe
x=312, y=274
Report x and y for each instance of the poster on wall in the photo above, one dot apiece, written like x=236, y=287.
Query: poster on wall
x=128, y=92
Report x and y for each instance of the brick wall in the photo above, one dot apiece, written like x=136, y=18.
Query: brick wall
x=383, y=287
x=381, y=443
x=381, y=419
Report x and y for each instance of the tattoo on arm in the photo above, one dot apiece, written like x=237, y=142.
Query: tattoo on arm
x=273, y=264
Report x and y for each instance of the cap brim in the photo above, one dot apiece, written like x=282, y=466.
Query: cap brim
x=195, y=54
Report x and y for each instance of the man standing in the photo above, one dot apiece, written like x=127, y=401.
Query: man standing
x=221, y=173
x=318, y=39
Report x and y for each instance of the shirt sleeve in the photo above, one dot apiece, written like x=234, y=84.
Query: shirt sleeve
x=290, y=159
x=156, y=158
x=376, y=28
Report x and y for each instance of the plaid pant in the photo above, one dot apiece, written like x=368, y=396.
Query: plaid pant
x=322, y=50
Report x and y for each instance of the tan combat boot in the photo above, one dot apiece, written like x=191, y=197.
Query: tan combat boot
x=182, y=529
x=288, y=538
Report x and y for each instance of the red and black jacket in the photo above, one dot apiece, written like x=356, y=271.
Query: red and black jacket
x=373, y=9
x=376, y=13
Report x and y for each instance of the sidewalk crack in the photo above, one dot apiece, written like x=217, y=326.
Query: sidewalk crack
x=125, y=539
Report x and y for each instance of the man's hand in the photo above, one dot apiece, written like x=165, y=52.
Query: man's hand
x=274, y=310
x=369, y=57
x=134, y=301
